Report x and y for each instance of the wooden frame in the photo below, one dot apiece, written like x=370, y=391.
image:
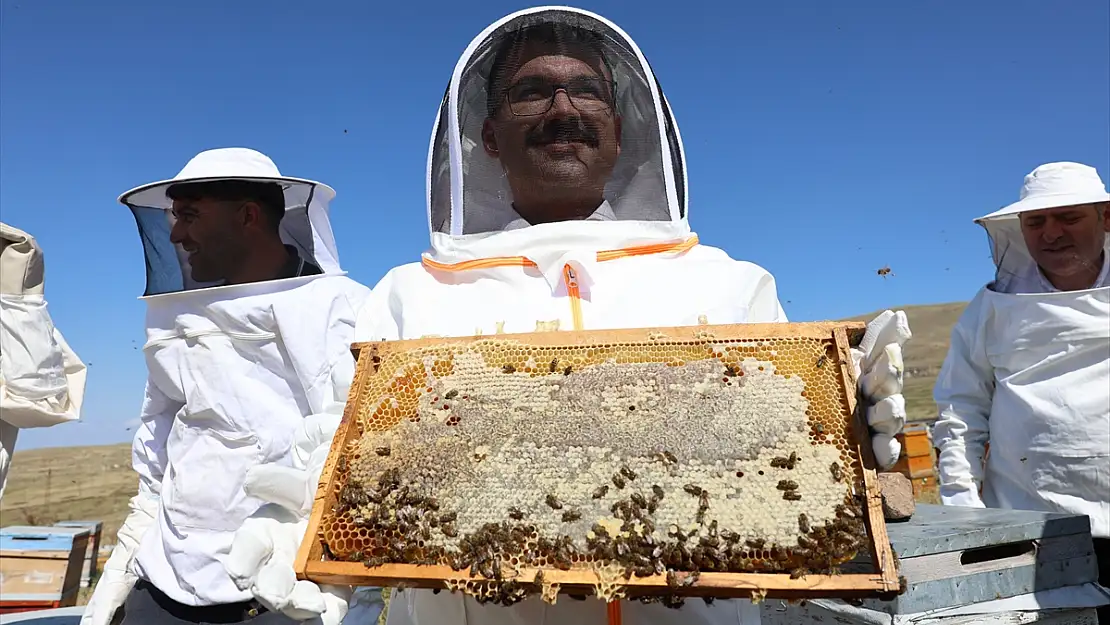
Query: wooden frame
x=312, y=562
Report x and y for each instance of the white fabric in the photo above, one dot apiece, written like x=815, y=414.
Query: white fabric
x=233, y=373
x=265, y=547
x=1028, y=373
x=117, y=578
x=42, y=381
x=1052, y=185
x=878, y=367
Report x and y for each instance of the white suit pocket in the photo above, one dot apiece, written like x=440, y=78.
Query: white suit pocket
x=208, y=493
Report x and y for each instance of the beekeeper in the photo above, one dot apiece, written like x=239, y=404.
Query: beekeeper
x=557, y=200
x=1028, y=367
x=249, y=325
x=42, y=381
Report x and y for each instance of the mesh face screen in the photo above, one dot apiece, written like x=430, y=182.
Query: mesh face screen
x=635, y=458
x=556, y=115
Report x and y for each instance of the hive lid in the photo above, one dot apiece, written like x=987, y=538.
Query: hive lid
x=940, y=529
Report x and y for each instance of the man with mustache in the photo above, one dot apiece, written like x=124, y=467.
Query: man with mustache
x=1027, y=368
x=557, y=200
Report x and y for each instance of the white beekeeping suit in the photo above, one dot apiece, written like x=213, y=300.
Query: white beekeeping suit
x=42, y=381
x=629, y=260
x=1028, y=371
x=239, y=376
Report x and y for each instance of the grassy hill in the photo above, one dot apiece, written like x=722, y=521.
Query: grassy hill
x=73, y=483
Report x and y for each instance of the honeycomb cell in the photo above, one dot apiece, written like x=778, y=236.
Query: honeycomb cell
x=491, y=456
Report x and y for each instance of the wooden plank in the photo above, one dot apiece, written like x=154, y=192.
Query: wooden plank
x=807, y=330
x=313, y=561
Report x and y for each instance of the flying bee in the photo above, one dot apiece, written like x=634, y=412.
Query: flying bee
x=803, y=523
x=515, y=514
x=451, y=394
x=553, y=502
x=837, y=474
x=627, y=472
x=885, y=271
x=639, y=500
x=618, y=480
x=571, y=515
x=601, y=491
x=508, y=369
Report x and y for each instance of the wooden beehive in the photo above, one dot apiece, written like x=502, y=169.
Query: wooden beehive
x=40, y=567
x=658, y=463
x=91, y=567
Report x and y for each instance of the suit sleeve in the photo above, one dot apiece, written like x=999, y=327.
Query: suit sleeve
x=964, y=392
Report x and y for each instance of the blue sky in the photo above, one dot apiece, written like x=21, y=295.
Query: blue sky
x=825, y=139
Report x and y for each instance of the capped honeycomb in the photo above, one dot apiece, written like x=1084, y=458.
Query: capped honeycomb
x=630, y=459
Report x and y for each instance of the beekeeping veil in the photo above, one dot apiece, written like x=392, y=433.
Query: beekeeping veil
x=470, y=203
x=1053, y=185
x=305, y=226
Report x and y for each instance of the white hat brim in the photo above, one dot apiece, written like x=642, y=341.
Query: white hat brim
x=153, y=195
x=1042, y=202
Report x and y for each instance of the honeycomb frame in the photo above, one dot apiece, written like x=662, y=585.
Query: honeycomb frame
x=875, y=576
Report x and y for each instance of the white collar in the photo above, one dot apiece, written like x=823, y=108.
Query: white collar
x=604, y=212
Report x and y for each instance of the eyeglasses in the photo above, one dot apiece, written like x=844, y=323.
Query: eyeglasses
x=536, y=97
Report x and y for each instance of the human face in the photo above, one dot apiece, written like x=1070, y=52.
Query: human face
x=566, y=153
x=212, y=233
x=1067, y=242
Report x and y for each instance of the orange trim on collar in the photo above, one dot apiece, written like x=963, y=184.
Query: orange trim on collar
x=521, y=261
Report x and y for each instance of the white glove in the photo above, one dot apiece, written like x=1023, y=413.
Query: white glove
x=117, y=580
x=878, y=367
x=265, y=547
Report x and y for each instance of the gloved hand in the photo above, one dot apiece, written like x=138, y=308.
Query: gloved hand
x=878, y=367
x=265, y=547
x=117, y=580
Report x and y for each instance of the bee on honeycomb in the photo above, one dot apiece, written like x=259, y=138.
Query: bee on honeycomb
x=630, y=460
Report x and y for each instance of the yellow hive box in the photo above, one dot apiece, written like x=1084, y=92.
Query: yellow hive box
x=658, y=463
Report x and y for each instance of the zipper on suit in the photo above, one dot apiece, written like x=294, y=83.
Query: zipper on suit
x=575, y=295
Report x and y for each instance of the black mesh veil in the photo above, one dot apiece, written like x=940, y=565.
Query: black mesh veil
x=470, y=190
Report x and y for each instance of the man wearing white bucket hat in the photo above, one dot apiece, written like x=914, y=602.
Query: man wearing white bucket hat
x=1028, y=368
x=249, y=325
x=42, y=382
x=557, y=200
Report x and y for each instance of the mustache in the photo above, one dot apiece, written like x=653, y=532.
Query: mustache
x=570, y=129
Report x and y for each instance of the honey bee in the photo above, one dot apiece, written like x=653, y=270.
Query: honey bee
x=629, y=473
x=571, y=515
x=515, y=514
x=693, y=490
x=554, y=365
x=798, y=573
x=639, y=500
x=731, y=371
x=449, y=530
x=652, y=506
x=787, y=485
x=382, y=451
x=657, y=492
x=451, y=394
x=669, y=457
x=791, y=495
x=341, y=464
x=822, y=360
x=803, y=523
x=601, y=491
x=618, y=480
x=567, y=370
x=885, y=271
x=837, y=474
x=508, y=369
x=553, y=502
x=448, y=517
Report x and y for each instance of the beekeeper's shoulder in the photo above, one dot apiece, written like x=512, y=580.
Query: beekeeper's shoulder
x=715, y=259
